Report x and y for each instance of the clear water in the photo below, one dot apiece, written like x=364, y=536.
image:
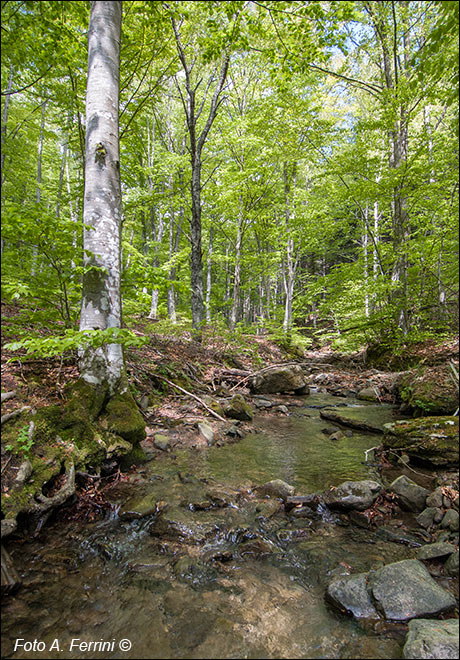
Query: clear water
x=112, y=580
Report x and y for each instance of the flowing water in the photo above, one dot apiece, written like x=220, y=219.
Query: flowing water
x=237, y=581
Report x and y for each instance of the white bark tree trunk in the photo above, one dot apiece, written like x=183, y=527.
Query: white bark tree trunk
x=101, y=303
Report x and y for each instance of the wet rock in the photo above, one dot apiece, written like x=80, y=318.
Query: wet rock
x=283, y=409
x=398, y=535
x=338, y=435
x=263, y=403
x=432, y=639
x=235, y=432
x=276, y=488
x=161, y=441
x=451, y=565
x=268, y=508
x=220, y=497
x=207, y=432
x=350, y=595
x=435, y=550
x=281, y=379
x=429, y=516
x=450, y=520
x=405, y=590
x=257, y=547
x=412, y=497
x=311, y=501
x=138, y=508
x=435, y=498
x=368, y=394
x=237, y=408
x=329, y=430
x=358, y=495
x=430, y=439
x=358, y=418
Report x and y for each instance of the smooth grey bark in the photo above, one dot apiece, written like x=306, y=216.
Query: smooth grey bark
x=237, y=269
x=290, y=180
x=101, y=303
x=365, y=244
x=209, y=277
x=198, y=138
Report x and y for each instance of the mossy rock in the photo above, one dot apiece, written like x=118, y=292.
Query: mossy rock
x=136, y=456
x=432, y=440
x=429, y=391
x=237, y=408
x=123, y=418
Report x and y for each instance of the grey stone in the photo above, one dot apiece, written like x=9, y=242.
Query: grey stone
x=450, y=520
x=358, y=495
x=432, y=639
x=207, y=432
x=350, y=595
x=276, y=488
x=412, y=497
x=369, y=394
x=405, y=590
x=451, y=565
x=281, y=379
x=426, y=518
x=435, y=498
x=161, y=441
x=435, y=550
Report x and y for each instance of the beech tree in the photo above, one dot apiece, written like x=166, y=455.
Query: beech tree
x=101, y=302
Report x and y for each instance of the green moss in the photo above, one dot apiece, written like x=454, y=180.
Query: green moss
x=136, y=456
x=430, y=439
x=84, y=401
x=123, y=418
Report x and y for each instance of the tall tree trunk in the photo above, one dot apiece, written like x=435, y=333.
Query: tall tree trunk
x=237, y=269
x=209, y=277
x=101, y=303
x=6, y=106
x=290, y=179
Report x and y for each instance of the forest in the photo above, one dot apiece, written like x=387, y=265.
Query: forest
x=229, y=227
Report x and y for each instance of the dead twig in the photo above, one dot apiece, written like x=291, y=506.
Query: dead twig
x=6, y=396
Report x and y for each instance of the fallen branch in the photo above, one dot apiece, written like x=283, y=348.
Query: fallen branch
x=13, y=414
x=8, y=395
x=181, y=389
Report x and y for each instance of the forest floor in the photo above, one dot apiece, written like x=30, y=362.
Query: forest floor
x=217, y=368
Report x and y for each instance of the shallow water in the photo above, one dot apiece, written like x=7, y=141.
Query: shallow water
x=246, y=585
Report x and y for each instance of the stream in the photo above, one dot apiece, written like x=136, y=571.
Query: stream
x=217, y=573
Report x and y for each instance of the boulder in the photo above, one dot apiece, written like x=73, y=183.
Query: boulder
x=432, y=639
x=412, y=497
x=451, y=565
x=405, y=590
x=435, y=550
x=368, y=394
x=430, y=390
x=433, y=440
x=359, y=495
x=138, y=508
x=429, y=516
x=435, y=498
x=237, y=408
x=350, y=595
x=450, y=520
x=276, y=488
x=280, y=379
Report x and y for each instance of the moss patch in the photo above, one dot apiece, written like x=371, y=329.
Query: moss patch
x=123, y=418
x=429, y=391
x=430, y=439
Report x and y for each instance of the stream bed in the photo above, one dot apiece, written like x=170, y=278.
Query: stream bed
x=212, y=572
